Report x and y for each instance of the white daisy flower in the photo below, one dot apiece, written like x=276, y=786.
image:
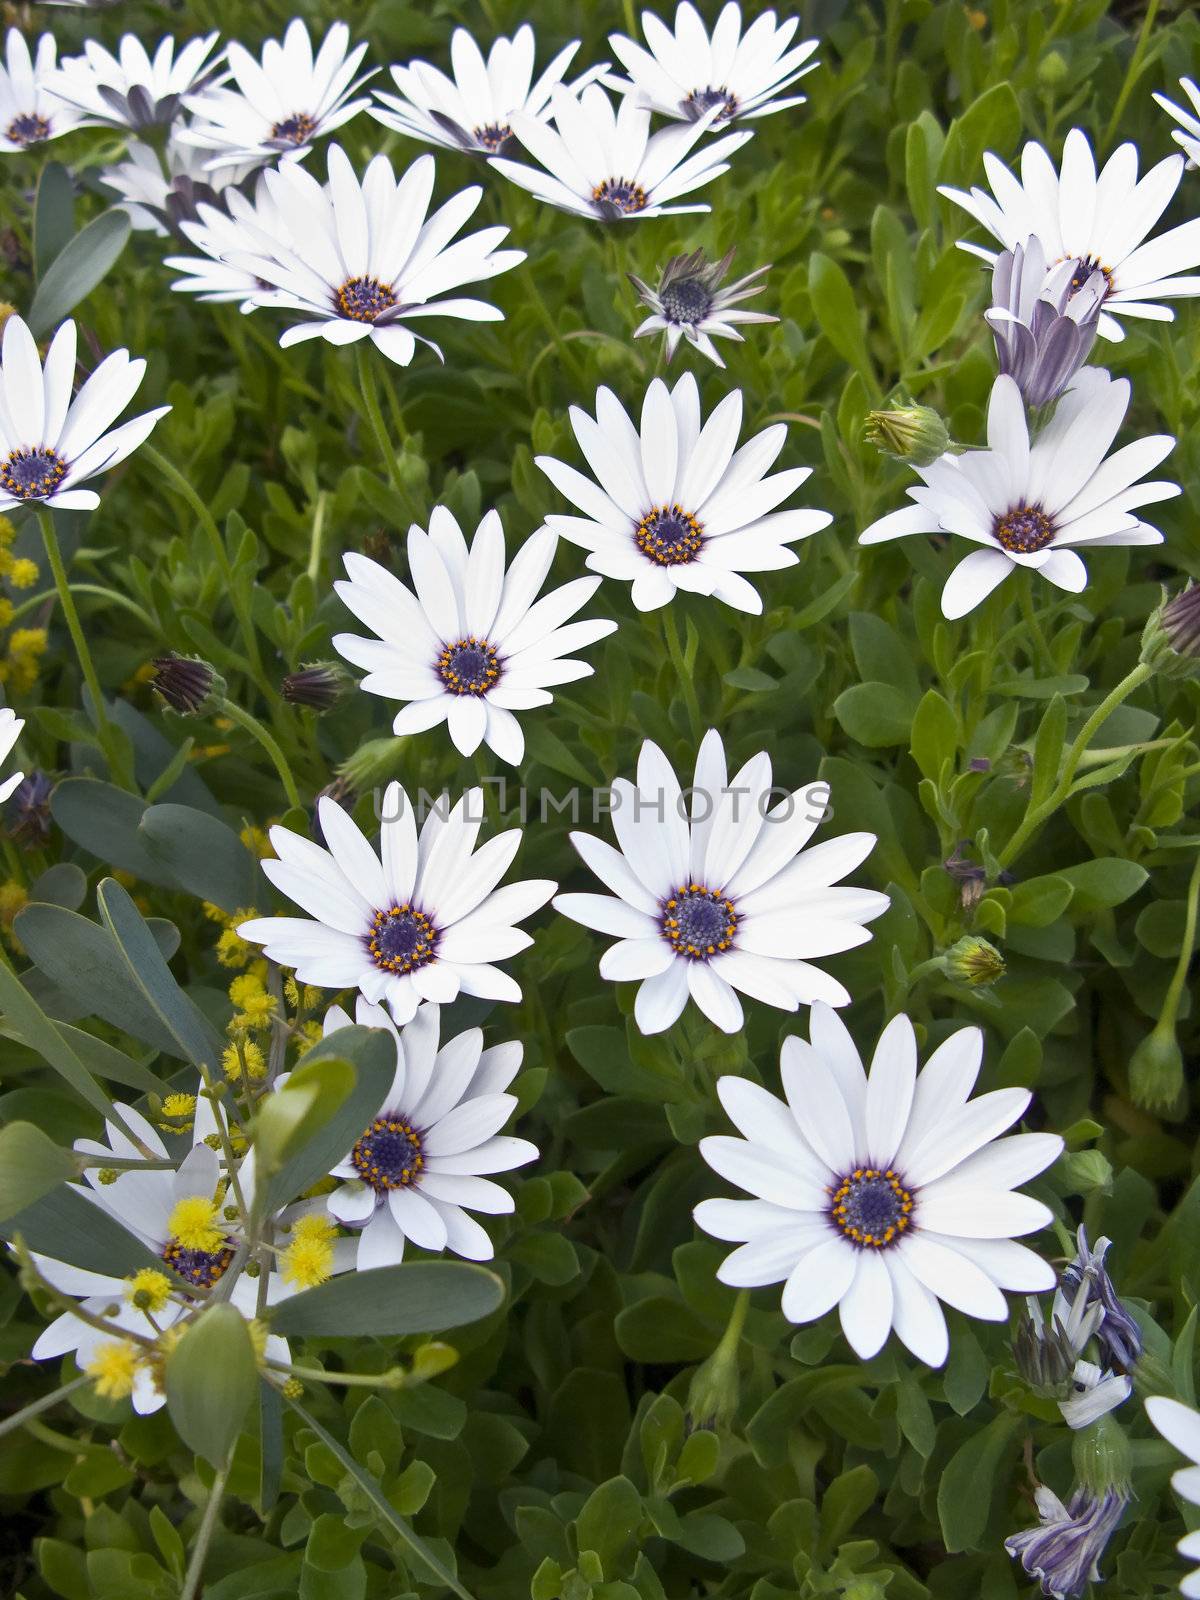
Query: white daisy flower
x=677, y=505
x=281, y=104
x=1187, y=134
x=157, y=198
x=470, y=647
x=715, y=895
x=1035, y=504
x=51, y=443
x=608, y=165
x=221, y=231
x=880, y=1193
x=425, y=922
x=132, y=89
x=360, y=260
x=10, y=732
x=690, y=304
x=1180, y=1426
x=685, y=73
x=473, y=109
x=29, y=113
x=173, y=1213
x=420, y=1167
x=1100, y=221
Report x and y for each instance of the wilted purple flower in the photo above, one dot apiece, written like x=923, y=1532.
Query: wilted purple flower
x=1043, y=318
x=1064, y=1550
x=1095, y=1392
x=1118, y=1335
x=29, y=810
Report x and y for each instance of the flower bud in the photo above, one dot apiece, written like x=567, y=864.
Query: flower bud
x=1052, y=69
x=1171, y=638
x=713, y=1394
x=187, y=684
x=1102, y=1458
x=1084, y=1172
x=319, y=685
x=374, y=762
x=915, y=434
x=1156, y=1070
x=974, y=962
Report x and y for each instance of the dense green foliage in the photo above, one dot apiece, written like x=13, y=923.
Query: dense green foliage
x=561, y=1454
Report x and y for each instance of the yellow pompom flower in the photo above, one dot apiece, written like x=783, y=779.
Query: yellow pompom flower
x=192, y=1224
x=232, y=949
x=24, y=573
x=245, y=1058
x=148, y=1290
x=113, y=1368
x=308, y=1260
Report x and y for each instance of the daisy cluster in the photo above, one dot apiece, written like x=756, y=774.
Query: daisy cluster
x=885, y=1190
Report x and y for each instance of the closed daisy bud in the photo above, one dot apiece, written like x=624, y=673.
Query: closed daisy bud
x=915, y=434
x=318, y=686
x=187, y=684
x=1156, y=1070
x=974, y=962
x=1171, y=638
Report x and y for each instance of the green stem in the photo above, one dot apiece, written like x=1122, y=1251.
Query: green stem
x=255, y=728
x=27, y=1413
x=208, y=522
x=317, y=536
x=1038, y=814
x=110, y=743
x=1132, y=72
x=370, y=396
x=208, y=1526
x=393, y=1378
x=113, y=596
x=1032, y=622
x=679, y=661
x=1178, y=981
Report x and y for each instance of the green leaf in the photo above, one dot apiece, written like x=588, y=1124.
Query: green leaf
x=211, y=1380
x=193, y=1033
x=414, y=1297
x=970, y=1481
x=609, y=1521
x=298, y=1111
x=53, y=214
x=1040, y=901
x=1108, y=881
x=31, y=1165
x=876, y=714
x=104, y=820
x=25, y=1020
x=77, y=269
x=67, y=1226
x=837, y=312
x=934, y=734
x=415, y=1545
x=372, y=1054
x=1047, y=749
x=200, y=853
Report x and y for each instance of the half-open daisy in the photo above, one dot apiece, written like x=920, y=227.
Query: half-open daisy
x=473, y=109
x=608, y=165
x=282, y=103
x=1187, y=134
x=220, y=231
x=677, y=505
x=1097, y=220
x=420, y=1167
x=361, y=260
x=133, y=89
x=690, y=304
x=1035, y=505
x=423, y=920
x=683, y=74
x=184, y=1214
x=470, y=647
x=158, y=193
x=29, y=113
x=49, y=442
x=717, y=893
x=882, y=1193
x=10, y=732
x=1180, y=1426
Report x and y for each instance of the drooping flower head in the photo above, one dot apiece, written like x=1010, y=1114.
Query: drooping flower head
x=1098, y=220
x=690, y=304
x=29, y=113
x=473, y=110
x=685, y=72
x=360, y=260
x=421, y=920
x=133, y=89
x=283, y=102
x=50, y=443
x=607, y=165
x=676, y=505
x=719, y=894
x=1037, y=504
x=1117, y=1333
x=473, y=644
x=1044, y=323
x=881, y=1193
x=1065, y=1548
x=425, y=1160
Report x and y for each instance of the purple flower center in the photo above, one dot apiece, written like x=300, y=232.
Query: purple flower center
x=388, y=1156
x=1023, y=530
x=697, y=922
x=669, y=536
x=469, y=666
x=32, y=474
x=871, y=1207
x=402, y=939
